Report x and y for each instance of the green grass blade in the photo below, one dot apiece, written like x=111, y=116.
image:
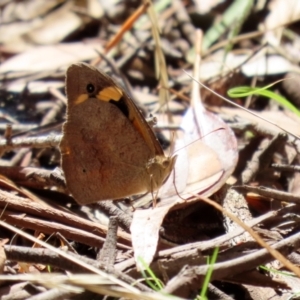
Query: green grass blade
x=207, y=278
x=157, y=283
x=245, y=91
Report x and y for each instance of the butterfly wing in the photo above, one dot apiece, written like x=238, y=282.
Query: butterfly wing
x=108, y=149
x=103, y=157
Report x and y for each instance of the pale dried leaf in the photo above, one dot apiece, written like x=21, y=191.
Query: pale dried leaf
x=48, y=58
x=144, y=236
x=16, y=45
x=280, y=118
x=56, y=26
x=202, y=167
x=94, y=9
x=267, y=65
x=281, y=13
x=204, y=7
x=26, y=10
x=259, y=65
x=10, y=31
x=33, y=87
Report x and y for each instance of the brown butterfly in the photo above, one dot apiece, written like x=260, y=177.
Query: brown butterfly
x=108, y=149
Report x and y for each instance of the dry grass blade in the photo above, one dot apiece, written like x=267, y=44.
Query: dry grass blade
x=160, y=62
x=92, y=269
x=80, y=282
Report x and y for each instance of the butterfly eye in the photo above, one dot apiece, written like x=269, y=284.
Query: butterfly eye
x=90, y=88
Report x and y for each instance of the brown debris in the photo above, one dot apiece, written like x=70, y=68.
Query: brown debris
x=151, y=47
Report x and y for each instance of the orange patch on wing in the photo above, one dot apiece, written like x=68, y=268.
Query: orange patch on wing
x=110, y=93
x=81, y=98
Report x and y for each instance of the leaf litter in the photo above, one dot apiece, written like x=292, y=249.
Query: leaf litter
x=177, y=235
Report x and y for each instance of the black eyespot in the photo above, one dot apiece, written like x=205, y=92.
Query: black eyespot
x=84, y=170
x=90, y=88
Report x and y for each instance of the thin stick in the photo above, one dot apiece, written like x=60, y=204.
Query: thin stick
x=126, y=27
x=276, y=254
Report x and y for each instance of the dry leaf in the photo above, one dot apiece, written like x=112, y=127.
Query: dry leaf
x=204, y=7
x=56, y=26
x=286, y=120
x=33, y=87
x=281, y=13
x=202, y=167
x=26, y=10
x=47, y=58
